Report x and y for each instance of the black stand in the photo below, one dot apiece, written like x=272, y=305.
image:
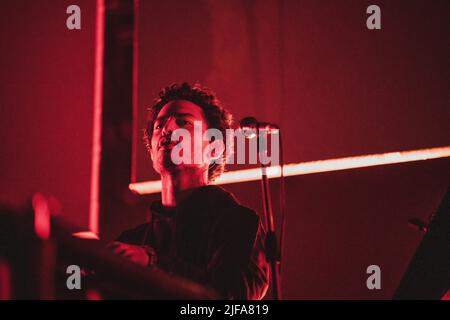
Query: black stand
x=427, y=276
x=273, y=256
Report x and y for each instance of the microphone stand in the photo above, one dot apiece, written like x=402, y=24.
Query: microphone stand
x=273, y=256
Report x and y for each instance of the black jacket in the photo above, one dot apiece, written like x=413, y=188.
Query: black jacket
x=209, y=238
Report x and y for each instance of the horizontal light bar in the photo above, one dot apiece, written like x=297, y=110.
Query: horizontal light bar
x=88, y=235
x=294, y=169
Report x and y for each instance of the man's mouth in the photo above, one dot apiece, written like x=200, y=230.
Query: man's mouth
x=166, y=144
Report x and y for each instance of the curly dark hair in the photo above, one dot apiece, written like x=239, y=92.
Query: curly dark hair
x=215, y=113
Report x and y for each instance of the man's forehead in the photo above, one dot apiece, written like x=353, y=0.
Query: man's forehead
x=181, y=107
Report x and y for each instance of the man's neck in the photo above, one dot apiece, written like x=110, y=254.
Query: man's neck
x=177, y=186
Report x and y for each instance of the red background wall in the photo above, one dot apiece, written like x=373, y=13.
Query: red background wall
x=46, y=104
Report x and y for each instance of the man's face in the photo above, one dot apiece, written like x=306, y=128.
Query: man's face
x=176, y=114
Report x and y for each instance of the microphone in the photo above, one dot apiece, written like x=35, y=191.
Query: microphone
x=249, y=125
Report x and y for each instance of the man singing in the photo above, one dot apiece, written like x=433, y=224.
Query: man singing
x=197, y=230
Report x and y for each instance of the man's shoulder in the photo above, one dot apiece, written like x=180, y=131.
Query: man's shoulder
x=134, y=235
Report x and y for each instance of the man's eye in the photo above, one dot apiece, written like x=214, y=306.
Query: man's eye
x=182, y=122
x=157, y=126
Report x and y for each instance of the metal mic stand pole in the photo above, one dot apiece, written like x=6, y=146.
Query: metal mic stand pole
x=271, y=238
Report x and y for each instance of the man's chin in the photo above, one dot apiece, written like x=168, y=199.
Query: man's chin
x=168, y=166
